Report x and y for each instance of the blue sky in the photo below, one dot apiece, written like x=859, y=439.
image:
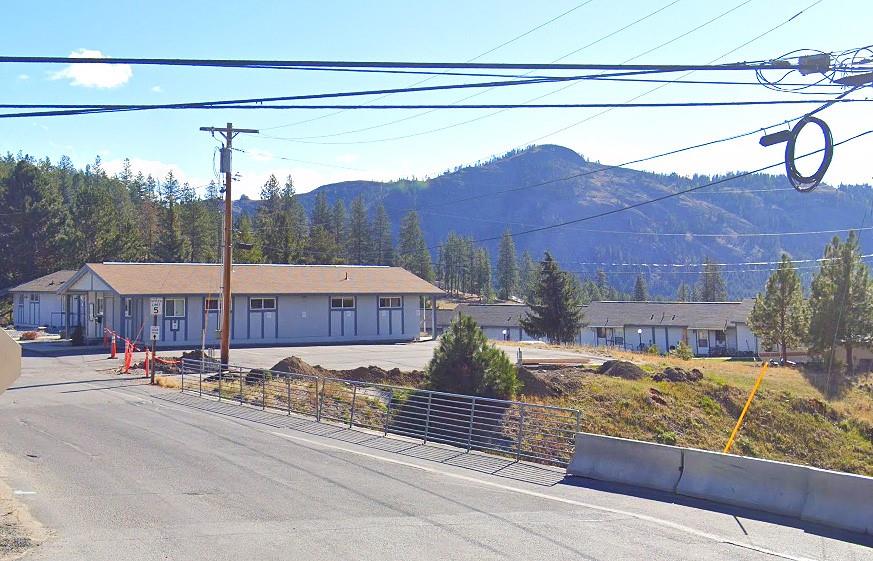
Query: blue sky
x=323, y=150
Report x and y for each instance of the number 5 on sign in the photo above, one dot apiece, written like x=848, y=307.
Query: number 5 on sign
x=157, y=305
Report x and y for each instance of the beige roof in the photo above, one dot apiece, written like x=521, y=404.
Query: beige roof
x=49, y=283
x=196, y=278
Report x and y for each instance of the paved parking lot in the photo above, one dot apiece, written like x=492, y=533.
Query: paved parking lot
x=406, y=356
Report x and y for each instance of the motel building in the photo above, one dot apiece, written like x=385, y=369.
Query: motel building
x=271, y=304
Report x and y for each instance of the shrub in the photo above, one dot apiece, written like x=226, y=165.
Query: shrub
x=464, y=362
x=666, y=437
x=683, y=351
x=653, y=349
x=29, y=336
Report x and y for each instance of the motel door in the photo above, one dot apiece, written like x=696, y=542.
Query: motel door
x=343, y=316
x=262, y=318
x=34, y=309
x=390, y=315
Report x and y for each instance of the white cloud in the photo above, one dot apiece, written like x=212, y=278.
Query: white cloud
x=93, y=75
x=157, y=89
x=23, y=77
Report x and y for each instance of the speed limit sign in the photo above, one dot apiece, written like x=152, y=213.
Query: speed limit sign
x=157, y=305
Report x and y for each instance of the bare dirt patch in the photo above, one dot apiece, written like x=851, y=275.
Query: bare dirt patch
x=370, y=374
x=19, y=531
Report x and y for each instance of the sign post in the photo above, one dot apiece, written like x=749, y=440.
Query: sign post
x=157, y=306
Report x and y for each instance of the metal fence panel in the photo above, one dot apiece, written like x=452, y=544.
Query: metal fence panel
x=513, y=429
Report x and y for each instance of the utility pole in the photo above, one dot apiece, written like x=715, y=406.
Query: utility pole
x=228, y=133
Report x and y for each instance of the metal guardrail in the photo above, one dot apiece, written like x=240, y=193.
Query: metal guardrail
x=514, y=429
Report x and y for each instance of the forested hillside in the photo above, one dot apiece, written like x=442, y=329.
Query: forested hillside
x=56, y=216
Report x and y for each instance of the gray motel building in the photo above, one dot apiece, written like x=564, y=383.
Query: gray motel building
x=271, y=304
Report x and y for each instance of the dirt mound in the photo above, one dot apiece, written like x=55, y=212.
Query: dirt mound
x=197, y=354
x=551, y=382
x=297, y=365
x=622, y=369
x=676, y=374
x=372, y=374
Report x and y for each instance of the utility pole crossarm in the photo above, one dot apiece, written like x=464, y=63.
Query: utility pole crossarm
x=228, y=132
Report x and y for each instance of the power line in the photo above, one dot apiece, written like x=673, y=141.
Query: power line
x=460, y=100
x=253, y=105
x=663, y=197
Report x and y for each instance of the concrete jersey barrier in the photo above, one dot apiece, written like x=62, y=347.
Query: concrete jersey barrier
x=839, y=499
x=622, y=460
x=831, y=498
x=10, y=360
x=746, y=482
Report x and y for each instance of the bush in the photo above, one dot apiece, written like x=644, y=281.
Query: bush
x=28, y=336
x=465, y=363
x=653, y=349
x=666, y=437
x=683, y=351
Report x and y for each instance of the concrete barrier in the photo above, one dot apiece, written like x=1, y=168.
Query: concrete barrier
x=10, y=360
x=621, y=460
x=839, y=499
x=747, y=482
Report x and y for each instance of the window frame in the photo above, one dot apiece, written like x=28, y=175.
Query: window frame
x=34, y=297
x=128, y=307
x=208, y=308
x=390, y=305
x=343, y=300
x=262, y=307
x=99, y=306
x=723, y=341
x=175, y=314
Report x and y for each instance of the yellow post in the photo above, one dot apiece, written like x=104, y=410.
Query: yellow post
x=730, y=441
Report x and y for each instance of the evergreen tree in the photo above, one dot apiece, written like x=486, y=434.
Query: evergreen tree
x=321, y=247
x=841, y=302
x=507, y=268
x=246, y=237
x=293, y=225
x=779, y=315
x=268, y=222
x=383, y=241
x=34, y=234
x=481, y=275
x=683, y=294
x=607, y=292
x=641, y=289
x=338, y=227
x=464, y=362
x=172, y=246
x=412, y=252
x=555, y=311
x=360, y=242
x=712, y=285
x=527, y=276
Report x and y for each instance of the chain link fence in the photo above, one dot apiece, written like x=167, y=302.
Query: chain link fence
x=523, y=431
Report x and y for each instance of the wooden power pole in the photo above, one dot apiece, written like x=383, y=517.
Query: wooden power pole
x=228, y=133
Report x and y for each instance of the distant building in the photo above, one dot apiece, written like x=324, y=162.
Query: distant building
x=37, y=304
x=499, y=321
x=272, y=304
x=709, y=328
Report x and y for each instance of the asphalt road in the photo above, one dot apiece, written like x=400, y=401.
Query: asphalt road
x=117, y=470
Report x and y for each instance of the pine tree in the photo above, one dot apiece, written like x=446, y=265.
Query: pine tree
x=607, y=292
x=555, y=312
x=507, y=268
x=360, y=242
x=779, y=315
x=683, y=294
x=172, y=246
x=841, y=302
x=481, y=275
x=712, y=285
x=383, y=241
x=268, y=222
x=338, y=228
x=641, y=289
x=321, y=247
x=246, y=237
x=527, y=270
x=293, y=225
x=412, y=252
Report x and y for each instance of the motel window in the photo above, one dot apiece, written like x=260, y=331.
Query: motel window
x=262, y=303
x=211, y=304
x=34, y=296
x=100, y=306
x=174, y=307
x=389, y=302
x=340, y=302
x=702, y=339
x=128, y=307
x=601, y=332
x=720, y=339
